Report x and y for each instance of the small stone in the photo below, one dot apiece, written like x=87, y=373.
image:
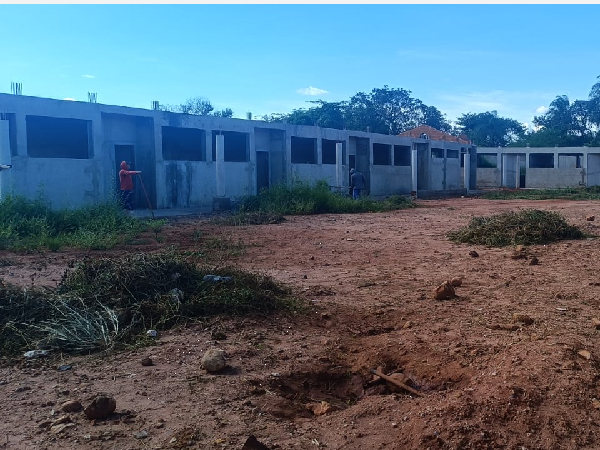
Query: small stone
x=71, y=406
x=596, y=323
x=152, y=333
x=325, y=316
x=407, y=325
x=56, y=429
x=147, y=361
x=534, y=261
x=101, y=407
x=595, y=403
x=445, y=291
x=520, y=252
x=213, y=360
x=254, y=444
x=141, y=435
x=456, y=282
x=218, y=336
x=522, y=318
x=585, y=354
x=319, y=409
x=474, y=254
x=590, y=218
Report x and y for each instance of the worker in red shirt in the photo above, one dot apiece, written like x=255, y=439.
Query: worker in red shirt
x=127, y=185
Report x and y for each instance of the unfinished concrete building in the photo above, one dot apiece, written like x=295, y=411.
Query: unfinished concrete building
x=71, y=152
x=542, y=168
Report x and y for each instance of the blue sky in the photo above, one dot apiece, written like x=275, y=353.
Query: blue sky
x=460, y=58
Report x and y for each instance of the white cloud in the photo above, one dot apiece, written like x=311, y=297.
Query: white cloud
x=70, y=99
x=517, y=105
x=542, y=110
x=312, y=91
x=88, y=76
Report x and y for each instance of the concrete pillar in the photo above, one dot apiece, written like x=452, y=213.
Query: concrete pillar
x=288, y=158
x=414, y=168
x=5, y=158
x=220, y=165
x=467, y=172
x=209, y=144
x=517, y=171
x=319, y=150
x=339, y=175
x=503, y=168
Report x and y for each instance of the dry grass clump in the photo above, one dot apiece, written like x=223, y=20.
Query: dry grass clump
x=526, y=227
x=251, y=218
x=103, y=303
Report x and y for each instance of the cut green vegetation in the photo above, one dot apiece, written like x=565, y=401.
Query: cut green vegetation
x=527, y=227
x=303, y=198
x=575, y=193
x=106, y=303
x=32, y=224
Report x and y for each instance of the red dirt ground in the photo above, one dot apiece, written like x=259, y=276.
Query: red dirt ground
x=488, y=383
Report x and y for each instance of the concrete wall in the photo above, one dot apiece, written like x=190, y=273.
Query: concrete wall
x=564, y=172
x=181, y=183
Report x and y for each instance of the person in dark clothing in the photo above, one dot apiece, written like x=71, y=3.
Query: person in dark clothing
x=357, y=183
x=127, y=185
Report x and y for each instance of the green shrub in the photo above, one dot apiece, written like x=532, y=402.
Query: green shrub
x=302, y=198
x=31, y=224
x=573, y=193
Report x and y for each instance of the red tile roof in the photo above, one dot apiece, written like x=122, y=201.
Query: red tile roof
x=435, y=135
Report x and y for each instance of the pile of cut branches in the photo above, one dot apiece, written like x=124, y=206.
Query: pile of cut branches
x=526, y=227
x=103, y=303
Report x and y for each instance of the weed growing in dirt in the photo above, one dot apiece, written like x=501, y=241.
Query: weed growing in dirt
x=527, y=227
x=575, y=193
x=250, y=218
x=303, y=198
x=103, y=303
x=32, y=224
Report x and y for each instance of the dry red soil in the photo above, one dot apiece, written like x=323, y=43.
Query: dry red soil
x=487, y=382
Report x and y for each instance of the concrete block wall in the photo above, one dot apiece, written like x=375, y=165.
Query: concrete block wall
x=564, y=172
x=181, y=183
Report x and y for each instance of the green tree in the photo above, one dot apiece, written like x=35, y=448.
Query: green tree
x=488, y=130
x=594, y=104
x=434, y=118
x=384, y=110
x=198, y=106
x=227, y=112
x=564, y=124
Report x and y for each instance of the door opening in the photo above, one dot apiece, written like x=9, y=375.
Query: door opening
x=262, y=171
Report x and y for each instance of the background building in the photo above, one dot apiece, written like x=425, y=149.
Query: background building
x=71, y=152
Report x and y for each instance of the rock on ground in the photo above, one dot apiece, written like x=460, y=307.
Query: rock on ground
x=101, y=407
x=214, y=360
x=445, y=291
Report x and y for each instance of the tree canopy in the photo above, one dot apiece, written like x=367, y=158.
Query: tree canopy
x=384, y=110
x=488, y=130
x=198, y=106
